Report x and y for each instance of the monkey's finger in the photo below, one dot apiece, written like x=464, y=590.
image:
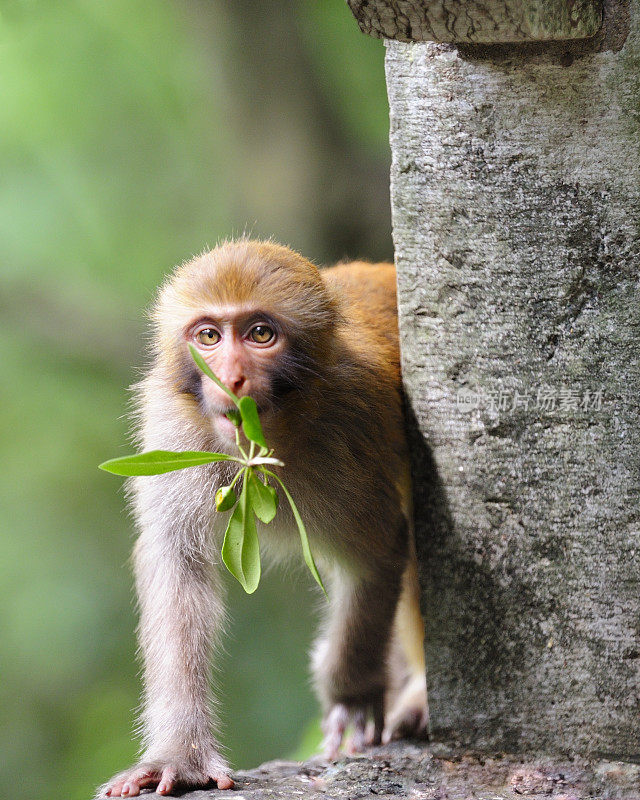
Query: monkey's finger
x=142, y=778
x=378, y=722
x=117, y=789
x=359, y=739
x=139, y=779
x=223, y=781
x=216, y=770
x=167, y=780
x=111, y=790
x=334, y=726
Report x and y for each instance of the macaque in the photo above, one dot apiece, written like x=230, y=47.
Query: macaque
x=318, y=351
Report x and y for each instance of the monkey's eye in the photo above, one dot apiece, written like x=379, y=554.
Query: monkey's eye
x=261, y=334
x=208, y=336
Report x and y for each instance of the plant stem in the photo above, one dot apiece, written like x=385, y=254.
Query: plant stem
x=239, y=446
x=235, y=480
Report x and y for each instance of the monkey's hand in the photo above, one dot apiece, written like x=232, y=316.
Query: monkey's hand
x=168, y=774
x=364, y=734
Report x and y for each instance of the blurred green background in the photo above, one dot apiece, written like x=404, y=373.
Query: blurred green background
x=133, y=135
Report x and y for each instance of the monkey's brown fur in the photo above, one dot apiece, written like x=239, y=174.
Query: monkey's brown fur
x=331, y=407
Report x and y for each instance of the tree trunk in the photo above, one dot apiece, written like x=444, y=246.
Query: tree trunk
x=516, y=216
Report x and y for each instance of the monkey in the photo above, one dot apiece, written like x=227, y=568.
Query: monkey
x=318, y=351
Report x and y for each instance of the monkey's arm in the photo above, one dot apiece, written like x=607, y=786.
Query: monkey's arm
x=181, y=613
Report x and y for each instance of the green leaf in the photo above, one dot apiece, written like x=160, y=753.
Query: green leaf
x=225, y=498
x=157, y=462
x=195, y=355
x=234, y=416
x=251, y=421
x=241, y=549
x=263, y=498
x=304, y=539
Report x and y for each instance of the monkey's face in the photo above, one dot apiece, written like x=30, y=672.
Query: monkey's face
x=244, y=348
x=261, y=317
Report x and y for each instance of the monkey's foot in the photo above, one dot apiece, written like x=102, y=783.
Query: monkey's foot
x=164, y=777
x=339, y=717
x=409, y=716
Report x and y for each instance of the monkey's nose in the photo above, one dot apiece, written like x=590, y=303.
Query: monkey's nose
x=237, y=383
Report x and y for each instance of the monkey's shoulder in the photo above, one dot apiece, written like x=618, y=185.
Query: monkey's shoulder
x=363, y=281
x=365, y=294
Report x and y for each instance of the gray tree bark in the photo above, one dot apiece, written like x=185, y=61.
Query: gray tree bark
x=516, y=216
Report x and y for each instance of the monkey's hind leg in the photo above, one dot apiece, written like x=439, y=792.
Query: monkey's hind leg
x=349, y=661
x=406, y=705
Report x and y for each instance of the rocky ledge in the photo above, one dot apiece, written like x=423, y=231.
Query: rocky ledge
x=436, y=772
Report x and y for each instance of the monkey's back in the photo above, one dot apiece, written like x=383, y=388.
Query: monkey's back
x=367, y=297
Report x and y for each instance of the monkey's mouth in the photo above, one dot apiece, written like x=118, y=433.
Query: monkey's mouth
x=220, y=418
x=224, y=425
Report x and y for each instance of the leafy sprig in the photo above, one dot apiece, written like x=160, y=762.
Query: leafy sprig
x=257, y=498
